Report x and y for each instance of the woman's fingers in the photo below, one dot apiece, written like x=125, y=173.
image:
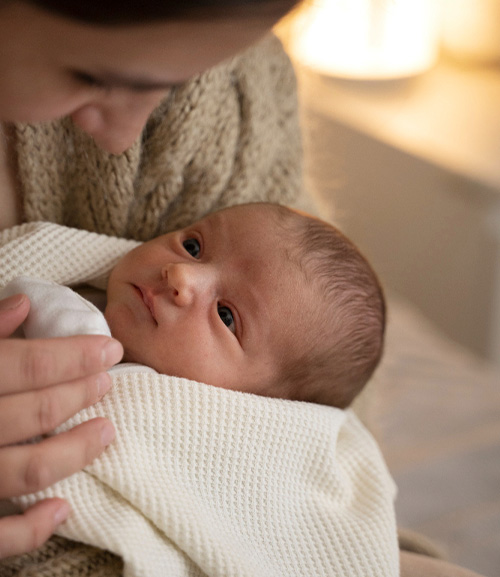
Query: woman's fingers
x=22, y=533
x=45, y=409
x=42, y=384
x=34, y=467
x=33, y=364
x=13, y=311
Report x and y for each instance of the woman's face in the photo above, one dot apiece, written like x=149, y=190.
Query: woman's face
x=108, y=79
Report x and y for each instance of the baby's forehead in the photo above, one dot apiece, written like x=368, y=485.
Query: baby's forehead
x=260, y=223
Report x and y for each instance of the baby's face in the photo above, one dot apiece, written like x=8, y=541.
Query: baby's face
x=214, y=302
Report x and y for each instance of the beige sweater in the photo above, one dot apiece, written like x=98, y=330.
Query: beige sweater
x=227, y=137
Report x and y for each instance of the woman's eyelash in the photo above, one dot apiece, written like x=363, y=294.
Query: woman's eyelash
x=87, y=79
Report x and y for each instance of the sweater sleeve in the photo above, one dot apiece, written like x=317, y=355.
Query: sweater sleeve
x=228, y=136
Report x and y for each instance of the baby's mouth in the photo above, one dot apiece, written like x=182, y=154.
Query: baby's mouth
x=148, y=301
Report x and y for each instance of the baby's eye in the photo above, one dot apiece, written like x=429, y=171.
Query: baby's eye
x=226, y=317
x=192, y=246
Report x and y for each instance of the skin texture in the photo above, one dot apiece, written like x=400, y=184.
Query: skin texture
x=108, y=79
x=164, y=304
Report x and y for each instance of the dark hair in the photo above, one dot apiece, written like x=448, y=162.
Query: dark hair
x=122, y=12
x=339, y=356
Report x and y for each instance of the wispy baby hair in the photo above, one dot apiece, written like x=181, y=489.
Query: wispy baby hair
x=344, y=335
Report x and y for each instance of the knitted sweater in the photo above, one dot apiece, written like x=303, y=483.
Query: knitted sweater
x=229, y=136
x=203, y=481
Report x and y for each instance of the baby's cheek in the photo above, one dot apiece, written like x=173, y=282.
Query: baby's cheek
x=116, y=322
x=121, y=332
x=108, y=315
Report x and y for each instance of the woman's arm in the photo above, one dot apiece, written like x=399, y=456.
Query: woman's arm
x=42, y=384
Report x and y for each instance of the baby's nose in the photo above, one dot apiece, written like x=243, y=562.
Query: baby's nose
x=189, y=283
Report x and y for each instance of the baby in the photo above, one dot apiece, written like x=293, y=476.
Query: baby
x=256, y=298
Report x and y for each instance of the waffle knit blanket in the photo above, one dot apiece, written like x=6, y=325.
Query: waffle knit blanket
x=202, y=481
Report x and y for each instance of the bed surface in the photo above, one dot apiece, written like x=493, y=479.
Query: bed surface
x=435, y=409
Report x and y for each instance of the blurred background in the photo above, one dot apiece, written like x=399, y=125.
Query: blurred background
x=400, y=105
x=410, y=92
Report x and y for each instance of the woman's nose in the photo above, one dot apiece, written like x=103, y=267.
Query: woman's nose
x=115, y=121
x=188, y=283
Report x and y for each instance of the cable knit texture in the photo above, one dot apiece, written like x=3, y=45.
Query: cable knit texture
x=203, y=481
x=227, y=137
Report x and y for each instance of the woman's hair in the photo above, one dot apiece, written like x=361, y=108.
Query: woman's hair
x=344, y=336
x=123, y=12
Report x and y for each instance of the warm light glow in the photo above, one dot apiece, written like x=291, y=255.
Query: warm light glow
x=471, y=30
x=366, y=38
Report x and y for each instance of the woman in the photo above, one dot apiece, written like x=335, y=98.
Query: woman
x=140, y=150
x=106, y=68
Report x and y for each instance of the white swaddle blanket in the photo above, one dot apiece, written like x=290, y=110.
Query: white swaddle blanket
x=202, y=481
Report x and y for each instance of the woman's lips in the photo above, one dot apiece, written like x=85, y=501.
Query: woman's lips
x=148, y=300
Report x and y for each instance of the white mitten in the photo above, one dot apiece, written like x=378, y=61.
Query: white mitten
x=56, y=311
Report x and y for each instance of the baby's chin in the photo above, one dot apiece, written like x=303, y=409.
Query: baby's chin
x=129, y=356
x=133, y=356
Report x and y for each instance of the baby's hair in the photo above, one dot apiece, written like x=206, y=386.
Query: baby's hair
x=123, y=12
x=343, y=339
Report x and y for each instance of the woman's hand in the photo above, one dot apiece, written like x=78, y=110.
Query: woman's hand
x=42, y=384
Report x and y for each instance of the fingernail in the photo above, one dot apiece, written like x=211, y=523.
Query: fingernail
x=112, y=353
x=107, y=434
x=103, y=384
x=12, y=302
x=61, y=513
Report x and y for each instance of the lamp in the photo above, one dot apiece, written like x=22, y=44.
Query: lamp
x=366, y=39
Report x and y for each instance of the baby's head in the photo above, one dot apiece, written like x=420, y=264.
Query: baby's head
x=343, y=335
x=256, y=298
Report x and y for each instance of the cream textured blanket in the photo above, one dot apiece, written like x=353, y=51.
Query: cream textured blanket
x=203, y=481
